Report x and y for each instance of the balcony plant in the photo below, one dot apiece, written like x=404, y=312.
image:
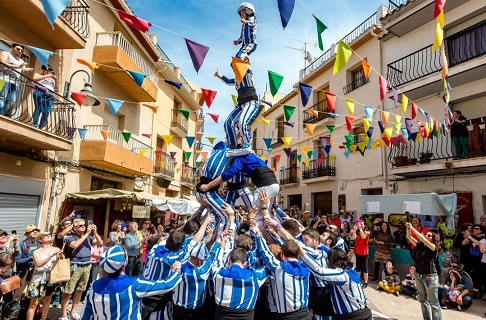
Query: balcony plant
x=425, y=157
x=401, y=158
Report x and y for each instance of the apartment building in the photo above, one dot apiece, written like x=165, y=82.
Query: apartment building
x=45, y=171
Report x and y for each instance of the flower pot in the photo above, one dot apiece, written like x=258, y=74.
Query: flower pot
x=412, y=161
x=401, y=161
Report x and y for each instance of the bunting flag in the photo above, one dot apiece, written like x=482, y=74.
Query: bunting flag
x=330, y=128
x=305, y=92
x=369, y=133
x=153, y=108
x=158, y=154
x=286, y=141
x=143, y=153
x=176, y=84
x=82, y=132
x=53, y=8
x=313, y=112
x=234, y=97
x=307, y=163
x=397, y=124
x=440, y=19
x=282, y=168
x=349, y=122
x=173, y=154
x=388, y=132
x=382, y=126
x=299, y=157
x=309, y=154
x=134, y=21
x=366, y=124
x=209, y=96
x=138, y=77
x=350, y=106
x=268, y=141
x=92, y=65
x=405, y=132
x=445, y=64
x=366, y=68
x=408, y=125
x=41, y=54
x=395, y=97
x=285, y=8
x=114, y=104
x=277, y=158
x=384, y=117
x=323, y=140
x=331, y=101
x=190, y=141
x=185, y=113
x=287, y=151
x=346, y=154
x=438, y=7
x=327, y=148
x=310, y=127
x=439, y=37
x=414, y=110
x=168, y=139
x=265, y=121
x=305, y=149
x=178, y=169
x=240, y=68
x=78, y=97
x=289, y=123
x=126, y=136
x=211, y=139
x=343, y=54
x=383, y=86
x=187, y=155
x=369, y=113
x=204, y=155
x=321, y=27
x=275, y=80
x=214, y=116
x=105, y=134
x=288, y=112
x=162, y=164
x=197, y=52
x=70, y=132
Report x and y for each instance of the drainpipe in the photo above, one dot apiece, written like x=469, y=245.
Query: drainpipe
x=54, y=186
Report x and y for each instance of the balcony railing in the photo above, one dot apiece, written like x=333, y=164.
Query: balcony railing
x=164, y=165
x=116, y=38
x=165, y=58
x=188, y=176
x=321, y=108
x=326, y=169
x=396, y=3
x=115, y=136
x=76, y=15
x=289, y=176
x=178, y=121
x=279, y=142
x=31, y=99
x=355, y=84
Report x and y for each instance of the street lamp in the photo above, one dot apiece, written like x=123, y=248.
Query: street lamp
x=91, y=99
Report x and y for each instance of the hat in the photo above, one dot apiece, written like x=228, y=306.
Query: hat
x=41, y=234
x=200, y=251
x=3, y=232
x=30, y=228
x=48, y=67
x=113, y=259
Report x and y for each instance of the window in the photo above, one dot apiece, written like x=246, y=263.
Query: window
x=280, y=127
x=358, y=79
x=358, y=131
x=467, y=44
x=175, y=110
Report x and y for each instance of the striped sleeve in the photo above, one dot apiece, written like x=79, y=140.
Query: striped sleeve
x=229, y=82
x=206, y=267
x=334, y=276
x=145, y=288
x=267, y=256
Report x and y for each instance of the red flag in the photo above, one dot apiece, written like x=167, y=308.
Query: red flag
x=214, y=116
x=349, y=123
x=79, y=97
x=133, y=21
x=158, y=153
x=331, y=101
x=414, y=110
x=148, y=135
x=208, y=96
x=277, y=158
x=439, y=6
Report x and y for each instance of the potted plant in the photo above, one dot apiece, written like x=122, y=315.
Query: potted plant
x=411, y=161
x=401, y=158
x=425, y=157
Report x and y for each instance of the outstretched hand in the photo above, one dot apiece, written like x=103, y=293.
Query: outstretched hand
x=264, y=198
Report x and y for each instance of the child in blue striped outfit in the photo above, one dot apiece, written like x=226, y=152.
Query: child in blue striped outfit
x=248, y=38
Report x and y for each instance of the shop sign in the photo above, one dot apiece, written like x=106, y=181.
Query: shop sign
x=141, y=212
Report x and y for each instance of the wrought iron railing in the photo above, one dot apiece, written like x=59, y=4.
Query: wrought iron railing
x=355, y=84
x=188, y=176
x=115, y=136
x=467, y=44
x=279, y=142
x=164, y=165
x=314, y=65
x=289, y=175
x=321, y=108
x=326, y=169
x=76, y=15
x=116, y=38
x=180, y=122
x=24, y=100
x=165, y=57
x=392, y=5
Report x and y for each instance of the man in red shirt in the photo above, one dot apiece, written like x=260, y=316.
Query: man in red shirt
x=335, y=220
x=417, y=224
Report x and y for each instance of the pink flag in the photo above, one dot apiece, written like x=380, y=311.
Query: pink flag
x=148, y=135
x=382, y=88
x=214, y=116
x=208, y=96
x=135, y=22
x=197, y=52
x=439, y=6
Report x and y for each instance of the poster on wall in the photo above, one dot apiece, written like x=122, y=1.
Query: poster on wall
x=141, y=212
x=373, y=207
x=411, y=206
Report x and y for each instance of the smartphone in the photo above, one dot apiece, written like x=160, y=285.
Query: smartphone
x=14, y=231
x=90, y=222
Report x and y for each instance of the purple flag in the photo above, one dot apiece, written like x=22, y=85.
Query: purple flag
x=305, y=92
x=197, y=52
x=285, y=7
x=70, y=132
x=408, y=125
x=370, y=132
x=289, y=123
x=323, y=140
x=395, y=96
x=287, y=151
x=382, y=127
x=172, y=154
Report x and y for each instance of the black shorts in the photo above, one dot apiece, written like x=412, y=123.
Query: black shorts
x=362, y=263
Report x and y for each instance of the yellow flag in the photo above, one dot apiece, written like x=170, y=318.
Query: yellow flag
x=426, y=130
x=350, y=105
x=162, y=164
x=418, y=137
x=366, y=124
x=313, y=112
x=404, y=103
x=286, y=141
x=142, y=153
x=265, y=121
x=396, y=123
x=440, y=19
x=439, y=37
x=168, y=139
x=263, y=158
x=332, y=157
x=353, y=148
x=307, y=163
x=310, y=127
x=305, y=149
x=211, y=139
x=178, y=169
x=234, y=97
x=240, y=68
x=343, y=54
x=384, y=117
x=388, y=132
x=362, y=145
x=373, y=144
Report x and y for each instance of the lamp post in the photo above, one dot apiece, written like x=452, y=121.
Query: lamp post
x=91, y=99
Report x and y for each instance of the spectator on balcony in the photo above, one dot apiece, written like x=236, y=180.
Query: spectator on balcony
x=459, y=134
x=11, y=69
x=43, y=98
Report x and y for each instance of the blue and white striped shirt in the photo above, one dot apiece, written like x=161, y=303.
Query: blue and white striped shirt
x=119, y=297
x=248, y=31
x=160, y=259
x=320, y=258
x=246, y=82
x=291, y=285
x=347, y=294
x=215, y=164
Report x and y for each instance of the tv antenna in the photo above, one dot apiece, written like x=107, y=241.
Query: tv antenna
x=306, y=55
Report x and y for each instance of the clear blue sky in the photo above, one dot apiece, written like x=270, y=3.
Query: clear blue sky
x=215, y=23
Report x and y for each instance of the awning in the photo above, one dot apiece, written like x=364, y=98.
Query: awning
x=112, y=194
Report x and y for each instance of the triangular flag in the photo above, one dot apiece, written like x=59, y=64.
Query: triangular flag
x=167, y=139
x=53, y=8
x=187, y=155
x=268, y=142
x=264, y=158
x=310, y=127
x=286, y=141
x=305, y=92
x=414, y=110
x=388, y=132
x=214, y=116
x=439, y=37
x=184, y=112
x=305, y=149
x=366, y=68
x=382, y=126
x=143, y=153
x=92, y=65
x=105, y=134
x=384, y=117
x=211, y=139
x=288, y=123
x=162, y=164
x=330, y=128
x=178, y=169
x=265, y=121
x=126, y=136
x=114, y=104
x=383, y=86
x=190, y=140
x=285, y=8
x=197, y=52
x=287, y=151
x=41, y=54
x=321, y=27
x=240, y=68
x=319, y=162
x=275, y=80
x=173, y=154
x=208, y=96
x=277, y=158
x=350, y=106
x=234, y=97
x=134, y=21
x=158, y=154
x=395, y=96
x=323, y=140
x=82, y=132
x=331, y=101
x=2, y=83
x=397, y=124
x=369, y=113
x=445, y=64
x=299, y=157
x=309, y=154
x=204, y=155
x=153, y=108
x=138, y=77
x=313, y=112
x=408, y=125
x=438, y=7
x=366, y=124
x=349, y=122
x=369, y=133
x=79, y=97
x=176, y=84
x=343, y=54
x=346, y=154
x=288, y=112
x=440, y=19
x=307, y=163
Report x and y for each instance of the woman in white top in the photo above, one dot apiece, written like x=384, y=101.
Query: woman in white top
x=39, y=285
x=43, y=98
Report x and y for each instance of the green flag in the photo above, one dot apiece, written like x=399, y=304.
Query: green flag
x=299, y=157
x=288, y=111
x=309, y=154
x=187, y=155
x=343, y=54
x=349, y=138
x=330, y=128
x=126, y=136
x=185, y=113
x=320, y=29
x=275, y=80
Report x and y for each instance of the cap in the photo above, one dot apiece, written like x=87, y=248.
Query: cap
x=200, y=251
x=3, y=232
x=113, y=259
x=30, y=228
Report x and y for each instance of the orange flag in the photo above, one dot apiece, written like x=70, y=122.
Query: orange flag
x=445, y=64
x=153, y=108
x=240, y=68
x=366, y=68
x=105, y=134
x=92, y=65
x=204, y=155
x=310, y=128
x=313, y=112
x=384, y=117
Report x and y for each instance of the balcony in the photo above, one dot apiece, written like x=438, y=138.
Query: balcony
x=188, y=178
x=115, y=52
x=326, y=169
x=321, y=108
x=17, y=130
x=179, y=125
x=115, y=153
x=68, y=32
x=164, y=166
x=289, y=176
x=355, y=84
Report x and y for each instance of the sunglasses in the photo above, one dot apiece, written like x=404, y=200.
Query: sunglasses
x=477, y=228
x=81, y=225
x=429, y=235
x=19, y=49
